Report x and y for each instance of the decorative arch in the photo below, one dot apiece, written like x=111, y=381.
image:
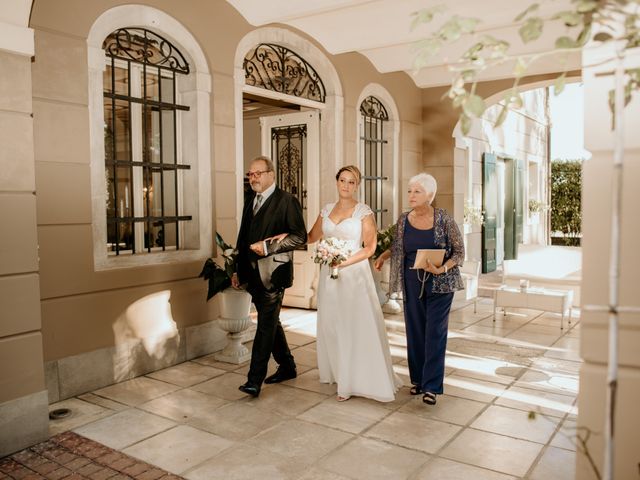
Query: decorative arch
x=300, y=45
x=277, y=68
x=143, y=16
x=331, y=126
x=196, y=139
x=384, y=97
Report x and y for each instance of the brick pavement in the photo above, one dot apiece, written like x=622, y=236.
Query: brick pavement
x=69, y=456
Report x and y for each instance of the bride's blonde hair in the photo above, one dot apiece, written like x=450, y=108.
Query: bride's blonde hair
x=355, y=171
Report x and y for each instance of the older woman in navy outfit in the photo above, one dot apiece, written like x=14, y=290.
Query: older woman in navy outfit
x=427, y=293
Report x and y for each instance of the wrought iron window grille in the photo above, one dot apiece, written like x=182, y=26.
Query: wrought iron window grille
x=144, y=46
x=372, y=141
x=372, y=107
x=274, y=67
x=141, y=141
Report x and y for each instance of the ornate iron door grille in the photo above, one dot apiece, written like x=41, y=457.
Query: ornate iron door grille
x=288, y=147
x=289, y=150
x=140, y=80
x=372, y=141
x=277, y=68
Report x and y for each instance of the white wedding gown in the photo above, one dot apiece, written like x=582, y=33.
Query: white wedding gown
x=352, y=344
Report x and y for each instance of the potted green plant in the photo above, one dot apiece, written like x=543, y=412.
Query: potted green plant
x=473, y=215
x=535, y=207
x=383, y=242
x=219, y=277
x=233, y=304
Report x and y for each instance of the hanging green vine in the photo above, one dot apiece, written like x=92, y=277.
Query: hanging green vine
x=602, y=21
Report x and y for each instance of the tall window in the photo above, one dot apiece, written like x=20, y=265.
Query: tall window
x=372, y=148
x=143, y=169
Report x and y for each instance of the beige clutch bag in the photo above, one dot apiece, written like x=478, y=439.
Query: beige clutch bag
x=435, y=256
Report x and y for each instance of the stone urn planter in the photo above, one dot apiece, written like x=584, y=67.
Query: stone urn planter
x=234, y=306
x=389, y=303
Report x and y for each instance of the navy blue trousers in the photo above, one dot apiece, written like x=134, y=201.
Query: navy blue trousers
x=427, y=324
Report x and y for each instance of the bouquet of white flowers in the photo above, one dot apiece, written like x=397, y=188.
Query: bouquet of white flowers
x=332, y=252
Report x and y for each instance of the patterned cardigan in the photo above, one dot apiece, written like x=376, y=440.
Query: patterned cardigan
x=447, y=235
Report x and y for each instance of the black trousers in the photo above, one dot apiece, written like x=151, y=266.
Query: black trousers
x=427, y=325
x=270, y=338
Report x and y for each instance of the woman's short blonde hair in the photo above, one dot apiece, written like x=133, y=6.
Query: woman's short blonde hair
x=355, y=171
x=427, y=182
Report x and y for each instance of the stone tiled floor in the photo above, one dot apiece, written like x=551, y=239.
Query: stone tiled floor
x=192, y=421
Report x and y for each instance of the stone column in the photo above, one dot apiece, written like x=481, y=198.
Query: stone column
x=596, y=227
x=23, y=397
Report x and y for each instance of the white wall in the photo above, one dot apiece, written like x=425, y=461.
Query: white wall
x=251, y=140
x=524, y=136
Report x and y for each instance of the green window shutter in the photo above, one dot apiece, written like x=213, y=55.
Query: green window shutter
x=519, y=202
x=509, y=209
x=490, y=211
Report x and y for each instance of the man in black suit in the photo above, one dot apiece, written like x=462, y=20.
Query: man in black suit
x=267, y=269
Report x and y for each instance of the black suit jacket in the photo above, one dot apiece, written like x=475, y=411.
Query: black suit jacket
x=280, y=213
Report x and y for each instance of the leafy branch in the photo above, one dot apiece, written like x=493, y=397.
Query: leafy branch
x=600, y=21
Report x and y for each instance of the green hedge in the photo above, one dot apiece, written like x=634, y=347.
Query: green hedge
x=566, y=213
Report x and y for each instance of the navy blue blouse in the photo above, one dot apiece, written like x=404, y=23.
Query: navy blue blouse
x=414, y=239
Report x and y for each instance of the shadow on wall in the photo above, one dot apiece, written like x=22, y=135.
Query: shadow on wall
x=146, y=336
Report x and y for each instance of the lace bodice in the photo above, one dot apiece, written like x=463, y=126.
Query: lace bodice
x=349, y=229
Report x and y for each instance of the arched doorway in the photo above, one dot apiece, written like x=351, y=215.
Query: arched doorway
x=308, y=120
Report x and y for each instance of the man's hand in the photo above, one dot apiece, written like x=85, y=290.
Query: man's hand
x=235, y=283
x=258, y=248
x=276, y=238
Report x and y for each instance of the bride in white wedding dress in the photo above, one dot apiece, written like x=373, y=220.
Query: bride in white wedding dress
x=352, y=344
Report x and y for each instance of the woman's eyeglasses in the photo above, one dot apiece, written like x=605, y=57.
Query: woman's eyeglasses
x=256, y=174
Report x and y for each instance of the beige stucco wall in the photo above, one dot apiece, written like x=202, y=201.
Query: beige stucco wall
x=81, y=306
x=596, y=225
x=23, y=398
x=60, y=91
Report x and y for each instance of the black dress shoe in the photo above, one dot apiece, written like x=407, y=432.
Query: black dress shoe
x=249, y=389
x=281, y=375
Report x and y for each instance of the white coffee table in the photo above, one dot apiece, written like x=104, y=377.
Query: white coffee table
x=556, y=301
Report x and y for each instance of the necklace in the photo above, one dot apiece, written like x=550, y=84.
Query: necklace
x=423, y=221
x=427, y=215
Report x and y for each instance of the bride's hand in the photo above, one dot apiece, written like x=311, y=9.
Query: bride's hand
x=276, y=238
x=378, y=263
